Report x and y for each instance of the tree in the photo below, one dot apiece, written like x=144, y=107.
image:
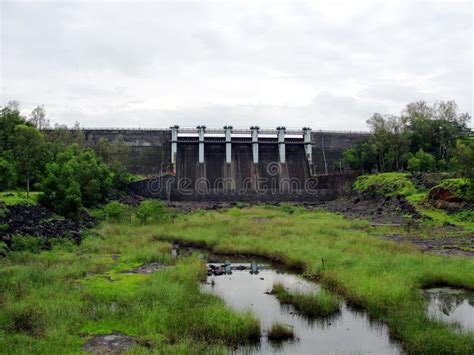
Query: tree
x=362, y=157
x=29, y=152
x=422, y=162
x=38, y=118
x=463, y=160
x=9, y=118
x=423, y=137
x=109, y=153
x=7, y=174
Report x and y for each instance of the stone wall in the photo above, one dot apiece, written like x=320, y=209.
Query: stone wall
x=149, y=150
x=329, y=146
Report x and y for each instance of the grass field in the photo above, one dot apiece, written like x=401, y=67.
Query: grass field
x=18, y=197
x=381, y=276
x=52, y=302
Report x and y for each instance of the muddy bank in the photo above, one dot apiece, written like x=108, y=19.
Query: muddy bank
x=453, y=246
x=377, y=209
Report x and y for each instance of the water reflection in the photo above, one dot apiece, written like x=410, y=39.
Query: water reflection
x=453, y=306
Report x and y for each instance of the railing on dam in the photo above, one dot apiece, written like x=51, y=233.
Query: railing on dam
x=239, y=130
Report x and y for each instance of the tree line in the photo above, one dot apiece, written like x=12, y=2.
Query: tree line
x=423, y=138
x=58, y=162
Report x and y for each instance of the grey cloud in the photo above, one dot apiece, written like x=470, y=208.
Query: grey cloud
x=155, y=64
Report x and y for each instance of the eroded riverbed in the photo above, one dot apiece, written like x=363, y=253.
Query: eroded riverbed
x=348, y=331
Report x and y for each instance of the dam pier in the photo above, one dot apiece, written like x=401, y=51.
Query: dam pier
x=235, y=164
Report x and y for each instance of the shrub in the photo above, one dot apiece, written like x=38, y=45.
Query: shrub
x=152, y=211
x=117, y=212
x=74, y=180
x=386, y=184
x=3, y=249
x=26, y=243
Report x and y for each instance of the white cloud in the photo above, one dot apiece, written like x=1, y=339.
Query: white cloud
x=295, y=64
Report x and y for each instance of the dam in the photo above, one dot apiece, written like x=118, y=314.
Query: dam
x=234, y=164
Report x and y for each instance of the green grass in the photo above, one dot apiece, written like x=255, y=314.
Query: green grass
x=440, y=217
x=18, y=197
x=280, y=332
x=464, y=219
x=381, y=276
x=52, y=302
x=385, y=184
x=321, y=304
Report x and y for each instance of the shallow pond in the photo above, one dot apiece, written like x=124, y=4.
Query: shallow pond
x=349, y=331
x=451, y=305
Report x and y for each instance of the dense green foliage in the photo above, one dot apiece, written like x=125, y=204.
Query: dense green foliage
x=28, y=150
x=8, y=176
x=422, y=162
x=422, y=138
x=385, y=184
x=76, y=179
x=57, y=162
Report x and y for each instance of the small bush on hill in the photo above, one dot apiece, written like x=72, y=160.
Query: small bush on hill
x=386, y=184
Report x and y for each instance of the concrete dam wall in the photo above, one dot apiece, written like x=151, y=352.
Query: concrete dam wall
x=235, y=165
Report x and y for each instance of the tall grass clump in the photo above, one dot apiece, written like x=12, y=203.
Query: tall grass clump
x=320, y=304
x=152, y=211
x=280, y=332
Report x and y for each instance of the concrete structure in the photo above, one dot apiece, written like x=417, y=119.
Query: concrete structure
x=275, y=161
x=151, y=150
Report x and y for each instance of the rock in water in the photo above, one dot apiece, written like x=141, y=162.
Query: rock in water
x=114, y=343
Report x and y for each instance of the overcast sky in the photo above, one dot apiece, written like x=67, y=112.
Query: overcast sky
x=118, y=64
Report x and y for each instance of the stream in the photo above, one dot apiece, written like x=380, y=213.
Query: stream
x=349, y=331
